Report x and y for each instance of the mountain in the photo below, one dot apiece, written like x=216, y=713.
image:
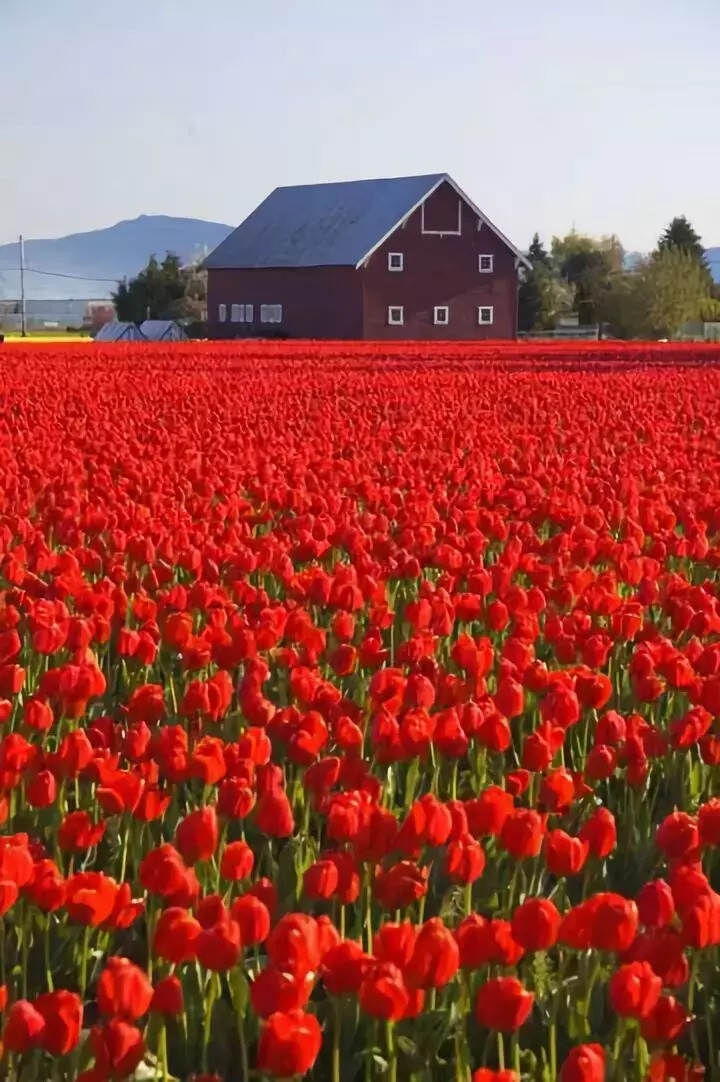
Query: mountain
x=632, y=259
x=117, y=252
x=713, y=257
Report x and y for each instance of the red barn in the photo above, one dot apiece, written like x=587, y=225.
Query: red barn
x=407, y=257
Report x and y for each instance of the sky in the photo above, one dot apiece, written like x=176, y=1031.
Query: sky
x=551, y=115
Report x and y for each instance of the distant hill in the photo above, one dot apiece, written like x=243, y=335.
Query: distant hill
x=117, y=252
x=631, y=260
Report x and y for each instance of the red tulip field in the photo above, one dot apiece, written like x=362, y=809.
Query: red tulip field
x=360, y=712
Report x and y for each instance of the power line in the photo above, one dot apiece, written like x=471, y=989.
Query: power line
x=59, y=274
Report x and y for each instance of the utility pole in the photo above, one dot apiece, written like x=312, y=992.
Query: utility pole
x=23, y=328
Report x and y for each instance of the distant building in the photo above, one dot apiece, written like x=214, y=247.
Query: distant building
x=403, y=258
x=163, y=330
x=699, y=331
x=51, y=314
x=120, y=332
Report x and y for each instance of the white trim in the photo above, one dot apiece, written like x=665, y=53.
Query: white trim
x=485, y=221
x=271, y=313
x=442, y=232
x=398, y=256
x=486, y=308
x=438, y=322
x=222, y=313
x=392, y=322
x=486, y=270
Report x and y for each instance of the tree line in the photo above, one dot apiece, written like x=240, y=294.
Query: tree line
x=163, y=290
x=651, y=298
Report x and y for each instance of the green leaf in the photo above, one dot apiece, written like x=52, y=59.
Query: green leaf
x=239, y=990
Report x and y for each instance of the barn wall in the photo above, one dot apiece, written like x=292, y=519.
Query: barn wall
x=441, y=270
x=318, y=302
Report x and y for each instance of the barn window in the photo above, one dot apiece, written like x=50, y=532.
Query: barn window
x=222, y=313
x=485, y=315
x=441, y=315
x=395, y=315
x=486, y=264
x=271, y=313
x=249, y=313
x=396, y=261
x=237, y=313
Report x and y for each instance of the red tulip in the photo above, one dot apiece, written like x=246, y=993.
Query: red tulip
x=197, y=835
x=666, y=1021
x=522, y=833
x=63, y=1015
x=274, y=815
x=634, y=990
x=237, y=861
x=24, y=1027
x=176, y=935
x=343, y=968
x=435, y=958
x=535, y=924
x=383, y=993
x=289, y=1044
x=584, y=1063
x=253, y=919
x=168, y=996
x=123, y=989
x=656, y=907
x=118, y=1047
x=503, y=1004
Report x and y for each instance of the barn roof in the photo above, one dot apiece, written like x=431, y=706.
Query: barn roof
x=323, y=225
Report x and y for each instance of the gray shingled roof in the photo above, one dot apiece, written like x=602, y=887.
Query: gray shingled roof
x=119, y=332
x=321, y=225
x=162, y=330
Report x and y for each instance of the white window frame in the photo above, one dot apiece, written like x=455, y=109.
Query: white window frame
x=485, y=308
x=222, y=313
x=399, y=261
x=249, y=313
x=391, y=315
x=438, y=311
x=271, y=313
x=489, y=269
x=237, y=313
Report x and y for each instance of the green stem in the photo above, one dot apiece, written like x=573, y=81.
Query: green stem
x=46, y=944
x=515, y=1052
x=337, y=1025
x=552, y=1042
x=84, y=960
x=501, y=1051
x=209, y=1005
x=391, y=1053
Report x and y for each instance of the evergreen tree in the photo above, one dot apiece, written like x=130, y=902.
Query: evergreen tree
x=541, y=295
x=153, y=293
x=680, y=234
x=537, y=253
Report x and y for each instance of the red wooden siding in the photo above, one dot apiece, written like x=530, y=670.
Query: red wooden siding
x=441, y=270
x=317, y=302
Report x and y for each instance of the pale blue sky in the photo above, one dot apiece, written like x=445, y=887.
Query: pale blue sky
x=549, y=114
